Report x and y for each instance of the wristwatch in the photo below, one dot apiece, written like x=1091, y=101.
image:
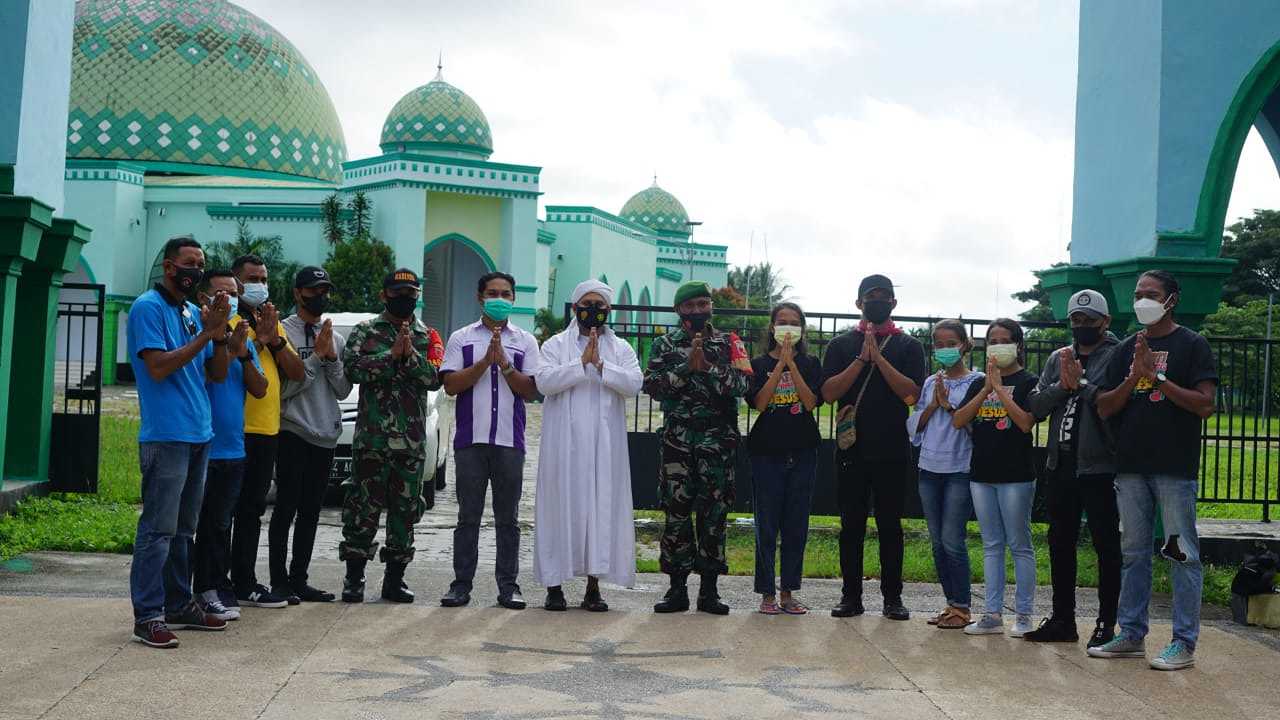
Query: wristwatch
x=278, y=346
x=1160, y=379
x=508, y=369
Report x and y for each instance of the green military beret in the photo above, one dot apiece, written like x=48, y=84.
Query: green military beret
x=692, y=289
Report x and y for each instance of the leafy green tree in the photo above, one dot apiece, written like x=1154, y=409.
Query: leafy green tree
x=547, y=323
x=1254, y=243
x=360, y=220
x=1041, y=311
x=357, y=267
x=331, y=212
x=767, y=286
x=270, y=248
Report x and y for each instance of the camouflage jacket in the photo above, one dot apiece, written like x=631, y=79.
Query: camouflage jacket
x=697, y=401
x=393, y=393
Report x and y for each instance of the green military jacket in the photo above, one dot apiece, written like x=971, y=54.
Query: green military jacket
x=392, y=412
x=697, y=401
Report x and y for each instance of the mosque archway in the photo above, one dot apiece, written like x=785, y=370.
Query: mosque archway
x=644, y=318
x=451, y=264
x=624, y=317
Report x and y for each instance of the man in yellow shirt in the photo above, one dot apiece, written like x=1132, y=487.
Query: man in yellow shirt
x=261, y=428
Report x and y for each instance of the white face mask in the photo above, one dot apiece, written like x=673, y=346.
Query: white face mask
x=1148, y=311
x=782, y=332
x=1003, y=354
x=255, y=294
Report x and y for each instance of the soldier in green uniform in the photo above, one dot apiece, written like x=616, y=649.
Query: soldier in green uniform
x=697, y=373
x=395, y=360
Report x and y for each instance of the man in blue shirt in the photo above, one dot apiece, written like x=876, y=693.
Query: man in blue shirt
x=173, y=348
x=226, y=453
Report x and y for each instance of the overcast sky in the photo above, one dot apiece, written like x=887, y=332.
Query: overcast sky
x=929, y=140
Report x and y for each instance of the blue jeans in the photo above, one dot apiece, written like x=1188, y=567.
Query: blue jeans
x=172, y=492
x=1004, y=515
x=946, y=502
x=782, y=489
x=1137, y=497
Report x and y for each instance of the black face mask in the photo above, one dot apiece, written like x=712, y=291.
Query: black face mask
x=1086, y=335
x=695, y=321
x=187, y=278
x=316, y=305
x=876, y=311
x=401, y=306
x=592, y=316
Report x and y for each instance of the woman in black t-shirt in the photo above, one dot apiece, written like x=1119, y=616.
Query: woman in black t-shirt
x=783, y=445
x=1003, y=479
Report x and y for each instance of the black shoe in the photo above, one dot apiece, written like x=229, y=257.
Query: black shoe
x=592, y=601
x=393, y=587
x=259, y=596
x=286, y=592
x=1103, y=633
x=306, y=593
x=456, y=597
x=676, y=600
x=895, y=610
x=1055, y=629
x=353, y=583
x=512, y=601
x=555, y=601
x=709, y=596
x=848, y=607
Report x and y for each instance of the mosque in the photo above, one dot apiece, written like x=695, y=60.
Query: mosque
x=187, y=116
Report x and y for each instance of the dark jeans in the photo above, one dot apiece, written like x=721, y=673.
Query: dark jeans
x=259, y=468
x=221, y=490
x=859, y=482
x=1067, y=496
x=301, y=480
x=172, y=492
x=477, y=466
x=782, y=487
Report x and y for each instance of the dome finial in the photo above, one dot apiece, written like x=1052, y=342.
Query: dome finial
x=440, y=67
x=655, y=178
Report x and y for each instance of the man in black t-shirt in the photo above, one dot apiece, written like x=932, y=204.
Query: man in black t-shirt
x=1160, y=386
x=880, y=380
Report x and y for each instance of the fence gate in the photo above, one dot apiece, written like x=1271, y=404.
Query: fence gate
x=77, y=381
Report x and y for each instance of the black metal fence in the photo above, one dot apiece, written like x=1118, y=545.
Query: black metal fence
x=73, y=444
x=1240, y=453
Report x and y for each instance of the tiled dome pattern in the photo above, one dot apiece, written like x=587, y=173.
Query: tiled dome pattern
x=656, y=208
x=437, y=115
x=197, y=81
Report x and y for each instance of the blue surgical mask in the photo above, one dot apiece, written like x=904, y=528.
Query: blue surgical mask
x=498, y=309
x=255, y=294
x=947, y=357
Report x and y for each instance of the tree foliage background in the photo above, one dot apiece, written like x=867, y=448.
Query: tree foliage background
x=280, y=270
x=357, y=260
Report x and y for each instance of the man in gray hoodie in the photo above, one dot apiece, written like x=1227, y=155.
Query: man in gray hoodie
x=1081, y=469
x=310, y=423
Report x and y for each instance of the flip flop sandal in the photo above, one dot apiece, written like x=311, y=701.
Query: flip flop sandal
x=794, y=607
x=769, y=608
x=955, y=620
x=938, y=618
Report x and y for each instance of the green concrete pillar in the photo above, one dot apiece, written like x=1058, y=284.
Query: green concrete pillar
x=31, y=378
x=23, y=221
x=110, y=330
x=1200, y=278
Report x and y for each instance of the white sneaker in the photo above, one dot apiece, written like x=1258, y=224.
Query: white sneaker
x=988, y=624
x=213, y=606
x=1021, y=626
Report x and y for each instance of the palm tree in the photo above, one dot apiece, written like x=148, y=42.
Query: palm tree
x=767, y=286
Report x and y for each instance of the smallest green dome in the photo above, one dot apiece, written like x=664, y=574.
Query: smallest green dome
x=658, y=209
x=437, y=116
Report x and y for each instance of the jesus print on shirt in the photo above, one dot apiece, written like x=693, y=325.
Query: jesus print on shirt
x=1160, y=359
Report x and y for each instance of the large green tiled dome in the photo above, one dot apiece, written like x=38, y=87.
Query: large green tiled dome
x=437, y=116
x=656, y=208
x=203, y=82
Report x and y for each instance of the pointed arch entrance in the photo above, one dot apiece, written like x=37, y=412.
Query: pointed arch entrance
x=451, y=264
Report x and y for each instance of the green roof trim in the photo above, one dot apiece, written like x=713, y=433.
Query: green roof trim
x=271, y=212
x=442, y=187
x=527, y=288
x=440, y=160
x=561, y=211
x=546, y=237
x=667, y=274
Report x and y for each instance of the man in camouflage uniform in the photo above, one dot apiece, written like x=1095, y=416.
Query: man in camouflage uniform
x=395, y=360
x=698, y=374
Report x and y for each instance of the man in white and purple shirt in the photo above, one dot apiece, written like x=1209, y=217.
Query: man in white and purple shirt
x=489, y=366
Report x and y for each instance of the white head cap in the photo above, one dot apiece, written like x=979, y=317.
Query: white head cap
x=592, y=286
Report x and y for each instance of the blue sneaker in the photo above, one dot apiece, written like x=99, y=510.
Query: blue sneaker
x=1177, y=656
x=1119, y=647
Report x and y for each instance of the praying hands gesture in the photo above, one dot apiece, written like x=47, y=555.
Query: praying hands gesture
x=994, y=380
x=697, y=359
x=591, y=354
x=239, y=341
x=940, y=399
x=1144, y=364
x=1069, y=370
x=324, y=346
x=402, y=348
x=213, y=317
x=496, y=355
x=267, y=320
x=787, y=356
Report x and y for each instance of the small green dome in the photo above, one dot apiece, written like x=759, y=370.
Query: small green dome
x=437, y=116
x=658, y=209
x=203, y=82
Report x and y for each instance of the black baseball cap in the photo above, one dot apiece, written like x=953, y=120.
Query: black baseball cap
x=311, y=277
x=874, y=282
x=402, y=278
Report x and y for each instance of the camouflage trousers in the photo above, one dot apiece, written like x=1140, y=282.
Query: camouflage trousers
x=695, y=489
x=381, y=480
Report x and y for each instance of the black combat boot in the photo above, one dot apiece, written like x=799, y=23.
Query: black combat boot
x=709, y=597
x=677, y=598
x=393, y=587
x=353, y=583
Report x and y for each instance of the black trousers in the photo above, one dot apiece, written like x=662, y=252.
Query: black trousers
x=1095, y=495
x=246, y=531
x=221, y=490
x=302, y=476
x=861, y=484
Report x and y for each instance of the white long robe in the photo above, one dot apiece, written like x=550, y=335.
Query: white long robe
x=583, y=516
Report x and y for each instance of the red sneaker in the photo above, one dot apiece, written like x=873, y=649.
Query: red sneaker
x=154, y=633
x=193, y=618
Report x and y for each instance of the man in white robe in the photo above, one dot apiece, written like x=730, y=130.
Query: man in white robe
x=583, y=516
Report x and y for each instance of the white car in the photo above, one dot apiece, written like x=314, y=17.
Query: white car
x=436, y=453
